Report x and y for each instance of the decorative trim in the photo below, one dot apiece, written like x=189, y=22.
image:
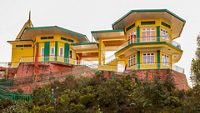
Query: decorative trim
x=107, y=31
x=83, y=43
x=145, y=43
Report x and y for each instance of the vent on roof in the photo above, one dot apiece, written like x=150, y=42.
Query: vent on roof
x=148, y=22
x=165, y=24
x=26, y=45
x=66, y=39
x=130, y=27
x=46, y=38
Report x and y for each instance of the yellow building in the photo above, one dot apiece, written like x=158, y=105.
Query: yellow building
x=48, y=44
x=142, y=39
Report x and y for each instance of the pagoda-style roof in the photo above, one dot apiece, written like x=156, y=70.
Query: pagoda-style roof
x=176, y=21
x=30, y=33
x=107, y=33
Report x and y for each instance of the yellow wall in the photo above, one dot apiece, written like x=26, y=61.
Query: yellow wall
x=158, y=23
x=101, y=53
x=28, y=52
x=149, y=66
x=20, y=52
x=154, y=65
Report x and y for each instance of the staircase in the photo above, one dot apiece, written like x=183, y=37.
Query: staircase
x=110, y=64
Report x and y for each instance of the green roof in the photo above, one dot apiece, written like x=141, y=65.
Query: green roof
x=60, y=28
x=149, y=10
x=145, y=43
x=107, y=31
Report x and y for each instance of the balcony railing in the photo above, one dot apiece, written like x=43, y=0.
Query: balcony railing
x=59, y=59
x=148, y=39
x=5, y=64
x=178, y=69
x=156, y=65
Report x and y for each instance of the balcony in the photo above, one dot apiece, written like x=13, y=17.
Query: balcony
x=59, y=59
x=156, y=66
x=150, y=40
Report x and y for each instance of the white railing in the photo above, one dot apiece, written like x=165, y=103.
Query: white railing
x=110, y=59
x=176, y=44
x=148, y=39
x=91, y=64
x=155, y=66
x=5, y=64
x=178, y=69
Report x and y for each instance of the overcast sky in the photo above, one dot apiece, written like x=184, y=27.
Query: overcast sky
x=85, y=16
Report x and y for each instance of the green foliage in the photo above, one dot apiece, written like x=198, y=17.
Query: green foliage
x=42, y=96
x=87, y=100
x=18, y=107
x=5, y=103
x=196, y=64
x=100, y=95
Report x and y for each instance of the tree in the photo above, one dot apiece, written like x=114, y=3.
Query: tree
x=100, y=95
x=195, y=67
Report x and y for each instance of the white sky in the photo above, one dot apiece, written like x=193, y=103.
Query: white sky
x=85, y=16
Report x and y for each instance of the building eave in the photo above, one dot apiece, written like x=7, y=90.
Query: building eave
x=97, y=34
x=148, y=10
x=79, y=35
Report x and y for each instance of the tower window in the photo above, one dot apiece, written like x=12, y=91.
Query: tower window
x=148, y=34
x=132, y=37
x=164, y=34
x=131, y=60
x=148, y=58
x=165, y=59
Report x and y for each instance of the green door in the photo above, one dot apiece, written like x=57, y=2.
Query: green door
x=46, y=51
x=66, y=55
x=56, y=50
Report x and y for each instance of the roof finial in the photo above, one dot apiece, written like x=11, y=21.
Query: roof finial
x=29, y=18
